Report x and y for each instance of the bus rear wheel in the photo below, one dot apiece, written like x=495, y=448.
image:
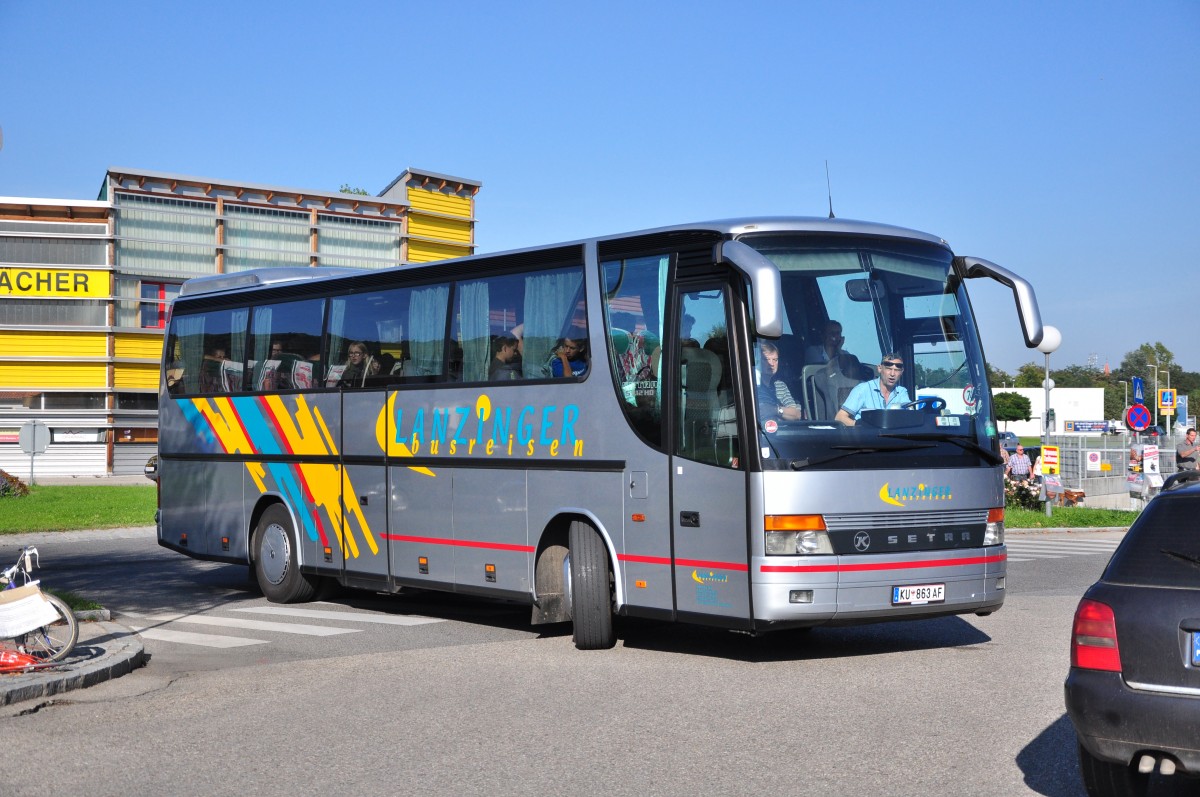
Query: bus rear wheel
x=591, y=590
x=276, y=564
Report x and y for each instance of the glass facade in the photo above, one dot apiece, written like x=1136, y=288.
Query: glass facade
x=86, y=287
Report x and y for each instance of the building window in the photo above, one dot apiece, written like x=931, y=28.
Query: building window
x=155, y=298
x=137, y=401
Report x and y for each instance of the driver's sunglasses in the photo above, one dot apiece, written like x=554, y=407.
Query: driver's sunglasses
x=896, y=366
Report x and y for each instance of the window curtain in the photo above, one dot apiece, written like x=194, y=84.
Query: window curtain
x=190, y=334
x=548, y=304
x=473, y=323
x=427, y=319
x=335, y=353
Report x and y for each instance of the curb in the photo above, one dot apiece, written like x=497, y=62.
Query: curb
x=106, y=650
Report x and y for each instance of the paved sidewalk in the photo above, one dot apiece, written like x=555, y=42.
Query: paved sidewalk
x=105, y=650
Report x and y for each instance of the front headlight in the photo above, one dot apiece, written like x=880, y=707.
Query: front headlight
x=797, y=543
x=796, y=535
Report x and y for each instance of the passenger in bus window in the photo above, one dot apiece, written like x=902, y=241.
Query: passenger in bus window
x=775, y=398
x=379, y=371
x=883, y=393
x=830, y=349
x=505, y=363
x=358, y=363
x=210, y=370
x=570, y=357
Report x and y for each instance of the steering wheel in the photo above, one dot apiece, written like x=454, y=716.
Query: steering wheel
x=930, y=404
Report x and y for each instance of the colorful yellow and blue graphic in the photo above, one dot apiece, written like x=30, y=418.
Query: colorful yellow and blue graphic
x=266, y=426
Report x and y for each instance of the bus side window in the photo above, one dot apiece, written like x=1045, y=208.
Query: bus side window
x=633, y=315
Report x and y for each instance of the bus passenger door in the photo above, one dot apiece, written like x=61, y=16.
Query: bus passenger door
x=364, y=495
x=708, y=477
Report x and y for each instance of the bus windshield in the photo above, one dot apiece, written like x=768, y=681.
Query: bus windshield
x=879, y=361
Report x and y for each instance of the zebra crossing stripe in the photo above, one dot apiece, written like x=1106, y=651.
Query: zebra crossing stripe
x=322, y=614
x=253, y=625
x=189, y=638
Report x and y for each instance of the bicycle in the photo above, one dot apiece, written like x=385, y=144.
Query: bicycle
x=40, y=625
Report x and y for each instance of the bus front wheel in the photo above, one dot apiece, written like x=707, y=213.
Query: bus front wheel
x=591, y=590
x=276, y=565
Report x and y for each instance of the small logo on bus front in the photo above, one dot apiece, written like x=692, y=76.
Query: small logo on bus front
x=862, y=541
x=919, y=492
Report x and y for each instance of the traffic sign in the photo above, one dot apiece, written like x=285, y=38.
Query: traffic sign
x=1049, y=460
x=34, y=437
x=1137, y=418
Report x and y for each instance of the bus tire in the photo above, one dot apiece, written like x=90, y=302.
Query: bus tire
x=591, y=590
x=276, y=564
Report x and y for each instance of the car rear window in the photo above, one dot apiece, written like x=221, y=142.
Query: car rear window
x=1162, y=547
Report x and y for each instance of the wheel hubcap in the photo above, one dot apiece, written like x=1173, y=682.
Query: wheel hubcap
x=274, y=554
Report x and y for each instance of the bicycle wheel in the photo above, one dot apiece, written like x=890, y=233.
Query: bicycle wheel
x=52, y=642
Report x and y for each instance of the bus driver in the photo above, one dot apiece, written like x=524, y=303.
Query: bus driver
x=883, y=393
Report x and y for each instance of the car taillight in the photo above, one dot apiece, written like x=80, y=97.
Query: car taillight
x=1094, y=638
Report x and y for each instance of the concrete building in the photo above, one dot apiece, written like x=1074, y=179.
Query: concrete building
x=85, y=286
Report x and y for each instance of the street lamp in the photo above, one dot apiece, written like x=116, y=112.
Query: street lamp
x=1125, y=408
x=1051, y=339
x=1155, y=402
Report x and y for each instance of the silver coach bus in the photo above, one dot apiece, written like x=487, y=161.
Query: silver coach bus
x=753, y=424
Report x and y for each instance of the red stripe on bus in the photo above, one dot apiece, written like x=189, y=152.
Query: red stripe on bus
x=496, y=546
x=738, y=566
x=853, y=568
x=666, y=561
x=643, y=560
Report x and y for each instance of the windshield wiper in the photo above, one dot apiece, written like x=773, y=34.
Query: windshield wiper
x=961, y=442
x=1194, y=561
x=849, y=451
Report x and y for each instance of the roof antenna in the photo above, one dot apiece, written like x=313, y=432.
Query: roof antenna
x=829, y=188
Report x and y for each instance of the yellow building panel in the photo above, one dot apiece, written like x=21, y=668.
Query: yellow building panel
x=420, y=199
x=91, y=376
x=425, y=251
x=438, y=227
x=141, y=346
x=53, y=344
x=127, y=376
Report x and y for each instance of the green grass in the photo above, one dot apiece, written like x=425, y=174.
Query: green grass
x=75, y=507
x=77, y=603
x=1071, y=517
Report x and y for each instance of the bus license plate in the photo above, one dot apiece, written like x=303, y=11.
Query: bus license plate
x=918, y=593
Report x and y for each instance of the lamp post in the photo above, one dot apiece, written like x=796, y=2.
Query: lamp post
x=1167, y=423
x=1155, y=402
x=1051, y=339
x=1125, y=407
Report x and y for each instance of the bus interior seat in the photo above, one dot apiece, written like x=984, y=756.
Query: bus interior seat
x=701, y=376
x=826, y=387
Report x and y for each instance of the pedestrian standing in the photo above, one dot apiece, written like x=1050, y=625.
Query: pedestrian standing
x=1186, y=453
x=1019, y=467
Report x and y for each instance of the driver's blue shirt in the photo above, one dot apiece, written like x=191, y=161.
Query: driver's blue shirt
x=869, y=396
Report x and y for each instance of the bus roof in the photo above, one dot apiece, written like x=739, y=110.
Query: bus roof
x=221, y=283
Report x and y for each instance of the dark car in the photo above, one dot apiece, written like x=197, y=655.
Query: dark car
x=1008, y=440
x=1133, y=692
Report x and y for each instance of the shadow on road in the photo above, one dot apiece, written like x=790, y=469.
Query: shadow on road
x=798, y=645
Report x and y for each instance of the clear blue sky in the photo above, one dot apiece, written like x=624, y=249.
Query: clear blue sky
x=1060, y=140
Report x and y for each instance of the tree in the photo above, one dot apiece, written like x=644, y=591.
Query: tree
x=346, y=189
x=1030, y=375
x=996, y=377
x=1011, y=407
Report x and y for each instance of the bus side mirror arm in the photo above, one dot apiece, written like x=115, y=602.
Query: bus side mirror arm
x=1027, y=306
x=765, y=285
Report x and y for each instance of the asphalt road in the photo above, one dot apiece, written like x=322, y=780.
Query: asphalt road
x=438, y=695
